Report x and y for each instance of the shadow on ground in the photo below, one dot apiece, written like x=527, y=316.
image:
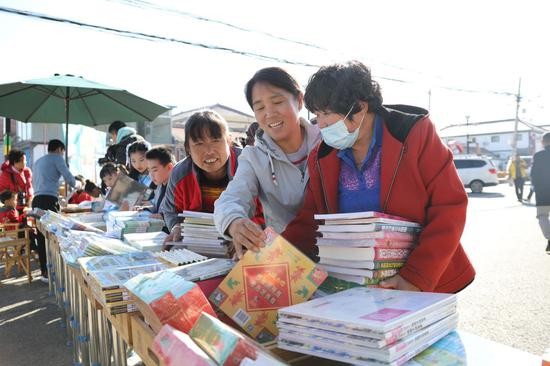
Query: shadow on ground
x=31, y=328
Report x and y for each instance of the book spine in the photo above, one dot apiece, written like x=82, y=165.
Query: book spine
x=387, y=264
x=382, y=254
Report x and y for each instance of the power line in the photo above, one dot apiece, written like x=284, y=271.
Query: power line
x=147, y=36
x=153, y=37
x=146, y=4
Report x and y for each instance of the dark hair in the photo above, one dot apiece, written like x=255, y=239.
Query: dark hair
x=138, y=146
x=108, y=169
x=6, y=195
x=115, y=126
x=15, y=156
x=274, y=76
x=90, y=186
x=80, y=178
x=338, y=87
x=202, y=124
x=55, y=144
x=251, y=133
x=162, y=154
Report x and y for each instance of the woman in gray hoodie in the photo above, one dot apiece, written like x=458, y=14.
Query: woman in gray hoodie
x=275, y=168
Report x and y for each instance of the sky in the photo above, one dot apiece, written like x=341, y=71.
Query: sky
x=458, y=59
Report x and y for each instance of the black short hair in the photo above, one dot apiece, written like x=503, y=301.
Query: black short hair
x=115, y=126
x=339, y=87
x=6, y=195
x=138, y=146
x=205, y=123
x=55, y=144
x=162, y=154
x=90, y=186
x=108, y=169
x=15, y=156
x=275, y=76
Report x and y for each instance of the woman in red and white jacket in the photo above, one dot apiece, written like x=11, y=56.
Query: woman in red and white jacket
x=388, y=159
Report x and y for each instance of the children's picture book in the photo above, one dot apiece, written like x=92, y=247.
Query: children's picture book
x=277, y=276
x=228, y=347
x=175, y=348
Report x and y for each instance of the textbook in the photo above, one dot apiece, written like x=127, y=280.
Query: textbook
x=372, y=312
x=368, y=273
x=363, y=215
x=204, y=270
x=362, y=264
x=373, y=242
x=277, y=276
x=365, y=254
x=365, y=228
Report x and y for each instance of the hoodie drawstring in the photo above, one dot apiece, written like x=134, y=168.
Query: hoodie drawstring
x=272, y=170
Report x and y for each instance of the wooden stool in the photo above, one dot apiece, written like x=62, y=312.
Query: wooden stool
x=12, y=247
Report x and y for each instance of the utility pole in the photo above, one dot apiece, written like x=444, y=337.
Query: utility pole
x=467, y=134
x=516, y=122
x=429, y=99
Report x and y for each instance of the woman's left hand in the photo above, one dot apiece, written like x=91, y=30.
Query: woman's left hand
x=398, y=283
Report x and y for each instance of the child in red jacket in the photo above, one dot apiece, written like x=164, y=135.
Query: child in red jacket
x=8, y=213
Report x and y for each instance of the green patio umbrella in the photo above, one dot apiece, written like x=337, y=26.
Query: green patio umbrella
x=73, y=100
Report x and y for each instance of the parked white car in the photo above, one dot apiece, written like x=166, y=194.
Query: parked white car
x=476, y=172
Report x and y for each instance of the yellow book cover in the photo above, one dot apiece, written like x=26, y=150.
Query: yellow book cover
x=279, y=275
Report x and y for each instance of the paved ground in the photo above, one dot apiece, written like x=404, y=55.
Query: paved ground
x=509, y=301
x=30, y=324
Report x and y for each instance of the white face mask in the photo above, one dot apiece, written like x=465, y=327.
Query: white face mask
x=337, y=135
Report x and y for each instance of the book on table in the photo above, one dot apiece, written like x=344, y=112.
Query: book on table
x=364, y=254
x=367, y=273
x=175, y=348
x=373, y=242
x=362, y=264
x=365, y=228
x=260, y=283
x=362, y=215
x=367, y=326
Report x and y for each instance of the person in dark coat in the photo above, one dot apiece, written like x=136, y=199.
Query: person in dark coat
x=122, y=136
x=540, y=179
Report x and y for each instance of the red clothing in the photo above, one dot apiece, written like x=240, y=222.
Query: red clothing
x=16, y=181
x=78, y=197
x=9, y=215
x=418, y=181
x=183, y=192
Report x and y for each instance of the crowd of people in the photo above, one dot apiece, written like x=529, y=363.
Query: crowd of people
x=359, y=155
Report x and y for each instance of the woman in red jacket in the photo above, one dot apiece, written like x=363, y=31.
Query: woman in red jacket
x=388, y=159
x=17, y=177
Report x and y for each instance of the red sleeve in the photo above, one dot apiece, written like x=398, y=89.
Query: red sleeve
x=28, y=188
x=301, y=231
x=445, y=211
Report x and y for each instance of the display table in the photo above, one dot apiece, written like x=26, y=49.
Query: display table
x=99, y=338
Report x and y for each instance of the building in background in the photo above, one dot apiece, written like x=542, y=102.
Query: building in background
x=494, y=138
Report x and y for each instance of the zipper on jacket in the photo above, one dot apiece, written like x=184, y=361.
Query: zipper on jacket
x=386, y=201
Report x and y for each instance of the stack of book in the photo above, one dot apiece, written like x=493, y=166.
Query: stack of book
x=366, y=326
x=106, y=275
x=277, y=276
x=200, y=235
x=179, y=257
x=151, y=242
x=364, y=247
x=119, y=223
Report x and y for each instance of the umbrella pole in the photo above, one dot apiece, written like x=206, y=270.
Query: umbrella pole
x=67, y=137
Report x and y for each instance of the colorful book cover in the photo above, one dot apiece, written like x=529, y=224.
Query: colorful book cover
x=166, y=298
x=279, y=275
x=223, y=344
x=176, y=348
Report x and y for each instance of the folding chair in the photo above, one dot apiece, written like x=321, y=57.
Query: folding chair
x=15, y=250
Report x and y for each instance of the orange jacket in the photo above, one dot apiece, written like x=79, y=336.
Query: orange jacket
x=419, y=182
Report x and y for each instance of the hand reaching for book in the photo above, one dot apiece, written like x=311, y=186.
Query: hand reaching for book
x=398, y=283
x=247, y=234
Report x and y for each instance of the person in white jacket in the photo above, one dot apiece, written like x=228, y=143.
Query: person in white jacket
x=275, y=168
